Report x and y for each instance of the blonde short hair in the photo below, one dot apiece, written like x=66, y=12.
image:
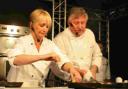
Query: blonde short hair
x=37, y=12
x=77, y=12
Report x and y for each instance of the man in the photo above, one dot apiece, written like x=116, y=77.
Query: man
x=78, y=43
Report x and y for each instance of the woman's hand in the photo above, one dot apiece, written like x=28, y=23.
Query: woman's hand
x=81, y=71
x=52, y=57
x=75, y=75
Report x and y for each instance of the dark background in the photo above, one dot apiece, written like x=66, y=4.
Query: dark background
x=17, y=12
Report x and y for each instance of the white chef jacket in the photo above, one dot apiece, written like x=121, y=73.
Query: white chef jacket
x=36, y=70
x=83, y=51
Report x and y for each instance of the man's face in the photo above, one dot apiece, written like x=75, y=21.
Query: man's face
x=78, y=25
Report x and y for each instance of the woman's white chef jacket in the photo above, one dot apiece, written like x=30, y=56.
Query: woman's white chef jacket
x=36, y=70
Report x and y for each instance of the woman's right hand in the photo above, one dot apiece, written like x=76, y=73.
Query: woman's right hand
x=52, y=57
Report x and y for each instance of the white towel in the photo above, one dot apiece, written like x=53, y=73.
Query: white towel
x=88, y=76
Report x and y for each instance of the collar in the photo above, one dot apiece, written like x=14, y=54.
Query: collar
x=70, y=35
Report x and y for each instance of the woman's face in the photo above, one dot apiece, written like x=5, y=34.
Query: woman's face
x=40, y=27
x=77, y=25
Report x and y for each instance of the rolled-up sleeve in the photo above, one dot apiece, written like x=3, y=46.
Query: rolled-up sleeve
x=63, y=57
x=57, y=67
x=16, y=50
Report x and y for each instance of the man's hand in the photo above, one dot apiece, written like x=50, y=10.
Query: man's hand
x=93, y=70
x=93, y=74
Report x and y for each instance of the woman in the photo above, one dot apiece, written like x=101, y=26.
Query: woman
x=32, y=54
